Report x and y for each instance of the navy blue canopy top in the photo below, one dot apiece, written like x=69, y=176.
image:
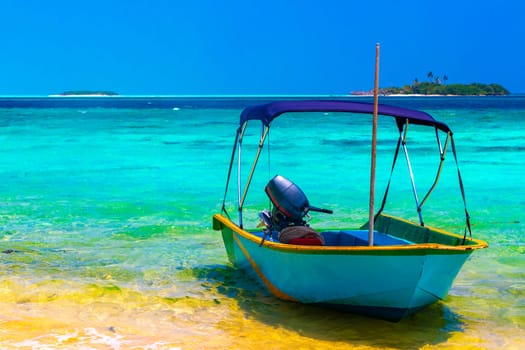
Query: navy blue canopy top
x=269, y=111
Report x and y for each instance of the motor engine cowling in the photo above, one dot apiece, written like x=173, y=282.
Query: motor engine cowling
x=288, y=199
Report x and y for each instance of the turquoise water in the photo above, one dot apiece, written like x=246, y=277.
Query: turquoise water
x=106, y=239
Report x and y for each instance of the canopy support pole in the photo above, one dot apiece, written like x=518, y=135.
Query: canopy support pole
x=374, y=152
x=229, y=173
x=396, y=153
x=411, y=175
x=250, y=176
x=462, y=188
x=239, y=153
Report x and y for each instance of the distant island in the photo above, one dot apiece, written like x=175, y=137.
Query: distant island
x=436, y=86
x=81, y=93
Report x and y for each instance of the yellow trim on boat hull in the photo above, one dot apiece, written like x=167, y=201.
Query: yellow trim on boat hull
x=415, y=249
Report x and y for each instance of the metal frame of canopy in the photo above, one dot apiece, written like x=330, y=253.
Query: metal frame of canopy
x=266, y=113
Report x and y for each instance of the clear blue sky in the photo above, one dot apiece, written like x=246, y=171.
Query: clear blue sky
x=255, y=47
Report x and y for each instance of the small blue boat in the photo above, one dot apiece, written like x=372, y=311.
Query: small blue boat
x=387, y=268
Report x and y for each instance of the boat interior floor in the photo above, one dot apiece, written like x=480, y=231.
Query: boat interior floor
x=350, y=238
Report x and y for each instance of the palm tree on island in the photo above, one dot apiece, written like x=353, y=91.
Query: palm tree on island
x=416, y=85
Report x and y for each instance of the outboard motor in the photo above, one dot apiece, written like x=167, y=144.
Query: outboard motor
x=290, y=204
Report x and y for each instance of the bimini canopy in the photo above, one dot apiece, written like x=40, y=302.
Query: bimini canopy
x=268, y=112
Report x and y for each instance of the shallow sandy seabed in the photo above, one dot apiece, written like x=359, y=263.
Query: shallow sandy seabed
x=113, y=318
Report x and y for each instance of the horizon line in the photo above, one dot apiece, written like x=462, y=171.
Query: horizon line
x=59, y=96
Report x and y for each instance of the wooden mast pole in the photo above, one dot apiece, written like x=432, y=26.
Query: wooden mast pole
x=374, y=151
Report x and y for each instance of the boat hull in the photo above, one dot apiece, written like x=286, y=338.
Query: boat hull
x=389, y=282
